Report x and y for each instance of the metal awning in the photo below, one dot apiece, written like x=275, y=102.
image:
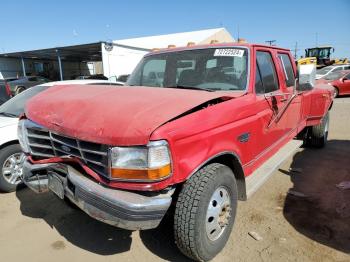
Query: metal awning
x=75, y=53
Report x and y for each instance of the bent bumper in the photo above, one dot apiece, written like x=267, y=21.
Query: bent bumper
x=124, y=209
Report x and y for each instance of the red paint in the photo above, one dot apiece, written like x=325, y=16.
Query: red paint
x=342, y=83
x=133, y=116
x=113, y=116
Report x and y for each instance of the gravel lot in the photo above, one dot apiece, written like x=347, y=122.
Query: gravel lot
x=312, y=224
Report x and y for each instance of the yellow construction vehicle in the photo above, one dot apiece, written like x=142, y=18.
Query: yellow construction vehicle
x=321, y=57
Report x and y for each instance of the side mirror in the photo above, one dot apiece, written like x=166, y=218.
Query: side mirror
x=306, y=77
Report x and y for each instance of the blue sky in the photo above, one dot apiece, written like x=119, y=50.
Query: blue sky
x=34, y=24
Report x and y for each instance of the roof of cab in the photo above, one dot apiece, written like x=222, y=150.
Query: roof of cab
x=216, y=45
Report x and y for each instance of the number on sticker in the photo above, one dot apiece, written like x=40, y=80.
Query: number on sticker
x=229, y=52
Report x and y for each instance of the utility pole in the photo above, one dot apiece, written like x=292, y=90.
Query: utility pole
x=296, y=50
x=271, y=42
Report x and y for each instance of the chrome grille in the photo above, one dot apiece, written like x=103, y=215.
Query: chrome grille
x=44, y=143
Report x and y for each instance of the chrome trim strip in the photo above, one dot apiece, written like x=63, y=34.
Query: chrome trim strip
x=38, y=136
x=39, y=145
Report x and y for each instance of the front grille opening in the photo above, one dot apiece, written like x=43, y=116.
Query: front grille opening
x=91, y=146
x=36, y=140
x=93, y=157
x=65, y=140
x=38, y=132
x=42, y=151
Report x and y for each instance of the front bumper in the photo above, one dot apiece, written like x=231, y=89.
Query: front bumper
x=124, y=209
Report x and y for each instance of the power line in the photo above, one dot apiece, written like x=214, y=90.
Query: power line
x=271, y=42
x=296, y=50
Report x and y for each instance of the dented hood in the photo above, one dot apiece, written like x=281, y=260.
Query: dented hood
x=112, y=115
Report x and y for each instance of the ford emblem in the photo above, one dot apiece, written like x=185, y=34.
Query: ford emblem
x=65, y=148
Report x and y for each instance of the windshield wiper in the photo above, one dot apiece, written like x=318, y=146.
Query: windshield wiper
x=191, y=87
x=8, y=114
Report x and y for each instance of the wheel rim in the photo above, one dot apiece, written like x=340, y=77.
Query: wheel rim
x=336, y=92
x=12, y=168
x=218, y=213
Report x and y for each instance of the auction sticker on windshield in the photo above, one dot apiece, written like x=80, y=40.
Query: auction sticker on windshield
x=229, y=52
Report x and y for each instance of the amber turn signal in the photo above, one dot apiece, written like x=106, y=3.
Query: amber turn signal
x=141, y=174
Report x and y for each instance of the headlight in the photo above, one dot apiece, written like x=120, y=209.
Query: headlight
x=148, y=163
x=22, y=136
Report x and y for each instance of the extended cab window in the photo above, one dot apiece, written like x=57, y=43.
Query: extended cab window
x=207, y=69
x=287, y=69
x=266, y=79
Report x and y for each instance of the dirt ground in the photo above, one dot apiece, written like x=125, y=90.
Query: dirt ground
x=312, y=224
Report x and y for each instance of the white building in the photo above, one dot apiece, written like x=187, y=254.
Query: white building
x=110, y=59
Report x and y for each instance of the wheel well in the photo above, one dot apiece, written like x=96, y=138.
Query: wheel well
x=233, y=162
x=13, y=142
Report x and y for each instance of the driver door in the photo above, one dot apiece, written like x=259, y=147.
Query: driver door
x=270, y=100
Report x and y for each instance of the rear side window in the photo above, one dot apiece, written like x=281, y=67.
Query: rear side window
x=267, y=73
x=287, y=69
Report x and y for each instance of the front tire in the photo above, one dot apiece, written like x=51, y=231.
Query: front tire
x=11, y=163
x=205, y=212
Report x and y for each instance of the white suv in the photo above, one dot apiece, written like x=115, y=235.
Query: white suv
x=11, y=157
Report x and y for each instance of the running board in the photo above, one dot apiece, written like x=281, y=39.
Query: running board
x=259, y=176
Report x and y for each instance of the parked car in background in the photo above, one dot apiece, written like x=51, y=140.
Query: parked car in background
x=321, y=73
x=10, y=152
x=97, y=76
x=18, y=85
x=5, y=92
x=340, y=80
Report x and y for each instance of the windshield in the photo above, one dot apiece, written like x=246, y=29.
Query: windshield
x=15, y=106
x=318, y=52
x=324, y=70
x=208, y=69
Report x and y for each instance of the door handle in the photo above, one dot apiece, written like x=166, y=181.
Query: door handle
x=284, y=99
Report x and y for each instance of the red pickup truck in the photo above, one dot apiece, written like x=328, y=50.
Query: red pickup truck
x=195, y=130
